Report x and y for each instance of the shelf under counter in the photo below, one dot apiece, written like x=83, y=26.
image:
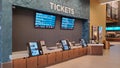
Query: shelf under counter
x=19, y=54
x=113, y=39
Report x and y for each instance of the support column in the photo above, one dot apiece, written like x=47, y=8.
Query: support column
x=5, y=33
x=0, y=32
x=85, y=30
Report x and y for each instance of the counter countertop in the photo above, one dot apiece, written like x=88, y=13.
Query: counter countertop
x=95, y=44
x=19, y=54
x=73, y=47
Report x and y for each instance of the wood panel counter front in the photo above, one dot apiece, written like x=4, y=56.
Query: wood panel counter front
x=19, y=63
x=42, y=61
x=47, y=59
x=95, y=49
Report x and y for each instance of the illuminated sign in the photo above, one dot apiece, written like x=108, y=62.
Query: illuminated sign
x=61, y=8
x=113, y=28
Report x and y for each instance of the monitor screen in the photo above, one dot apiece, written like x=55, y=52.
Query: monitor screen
x=113, y=28
x=65, y=45
x=44, y=20
x=67, y=23
x=84, y=44
x=34, y=50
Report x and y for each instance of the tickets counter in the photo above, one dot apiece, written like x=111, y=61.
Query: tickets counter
x=53, y=56
x=22, y=60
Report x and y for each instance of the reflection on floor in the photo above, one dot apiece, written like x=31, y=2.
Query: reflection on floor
x=110, y=59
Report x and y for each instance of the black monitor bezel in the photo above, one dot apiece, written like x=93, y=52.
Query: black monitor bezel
x=39, y=49
x=67, y=45
x=83, y=45
x=69, y=18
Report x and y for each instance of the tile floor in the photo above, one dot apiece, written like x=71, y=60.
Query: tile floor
x=110, y=59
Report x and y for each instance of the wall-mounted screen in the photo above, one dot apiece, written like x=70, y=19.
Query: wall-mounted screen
x=67, y=23
x=34, y=49
x=44, y=20
x=65, y=45
x=113, y=28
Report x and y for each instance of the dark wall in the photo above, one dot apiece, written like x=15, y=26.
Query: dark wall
x=81, y=7
x=116, y=23
x=118, y=13
x=24, y=31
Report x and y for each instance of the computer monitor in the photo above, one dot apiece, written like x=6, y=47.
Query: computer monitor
x=84, y=44
x=34, y=49
x=65, y=45
x=67, y=23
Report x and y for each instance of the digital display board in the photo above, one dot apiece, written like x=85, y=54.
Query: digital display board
x=44, y=20
x=67, y=23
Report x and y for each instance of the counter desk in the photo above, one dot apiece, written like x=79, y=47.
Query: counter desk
x=95, y=49
x=52, y=56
